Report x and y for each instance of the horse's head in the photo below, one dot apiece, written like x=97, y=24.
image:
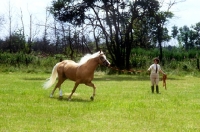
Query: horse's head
x=103, y=60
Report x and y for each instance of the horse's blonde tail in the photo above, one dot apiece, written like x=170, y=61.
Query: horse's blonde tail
x=52, y=79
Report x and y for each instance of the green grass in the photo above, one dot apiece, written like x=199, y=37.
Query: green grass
x=123, y=103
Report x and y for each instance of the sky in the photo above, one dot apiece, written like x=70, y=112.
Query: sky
x=35, y=8
x=186, y=13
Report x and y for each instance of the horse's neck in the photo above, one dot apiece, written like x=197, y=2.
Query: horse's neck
x=92, y=64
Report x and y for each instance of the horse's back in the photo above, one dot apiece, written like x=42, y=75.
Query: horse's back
x=68, y=68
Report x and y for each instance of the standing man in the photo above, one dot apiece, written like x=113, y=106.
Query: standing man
x=154, y=76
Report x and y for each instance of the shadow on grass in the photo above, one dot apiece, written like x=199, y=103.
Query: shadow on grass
x=129, y=78
x=72, y=100
x=34, y=78
x=111, y=78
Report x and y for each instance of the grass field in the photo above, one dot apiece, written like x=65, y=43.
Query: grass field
x=123, y=103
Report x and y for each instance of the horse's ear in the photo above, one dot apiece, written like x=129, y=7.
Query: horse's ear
x=100, y=51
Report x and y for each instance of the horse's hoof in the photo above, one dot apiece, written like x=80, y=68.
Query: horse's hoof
x=60, y=97
x=92, y=98
x=69, y=99
x=51, y=96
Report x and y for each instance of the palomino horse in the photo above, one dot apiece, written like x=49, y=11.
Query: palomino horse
x=80, y=73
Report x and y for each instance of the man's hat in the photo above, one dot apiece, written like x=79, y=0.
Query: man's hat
x=157, y=59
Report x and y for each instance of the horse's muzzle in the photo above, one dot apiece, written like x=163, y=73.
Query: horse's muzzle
x=107, y=63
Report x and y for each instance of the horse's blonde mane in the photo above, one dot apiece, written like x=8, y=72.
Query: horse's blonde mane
x=85, y=58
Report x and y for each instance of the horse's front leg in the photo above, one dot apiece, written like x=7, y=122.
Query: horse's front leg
x=74, y=89
x=94, y=89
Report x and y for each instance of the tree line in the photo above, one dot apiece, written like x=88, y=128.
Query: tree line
x=115, y=26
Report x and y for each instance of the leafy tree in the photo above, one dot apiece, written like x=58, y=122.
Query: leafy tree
x=174, y=31
x=196, y=29
x=183, y=37
x=161, y=32
x=18, y=43
x=118, y=22
x=188, y=37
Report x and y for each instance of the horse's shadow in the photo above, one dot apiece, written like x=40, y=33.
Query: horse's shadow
x=33, y=78
x=72, y=100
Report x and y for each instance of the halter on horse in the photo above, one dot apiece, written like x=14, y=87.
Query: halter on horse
x=80, y=73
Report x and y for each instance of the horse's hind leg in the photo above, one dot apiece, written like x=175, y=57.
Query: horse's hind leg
x=58, y=85
x=94, y=89
x=51, y=95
